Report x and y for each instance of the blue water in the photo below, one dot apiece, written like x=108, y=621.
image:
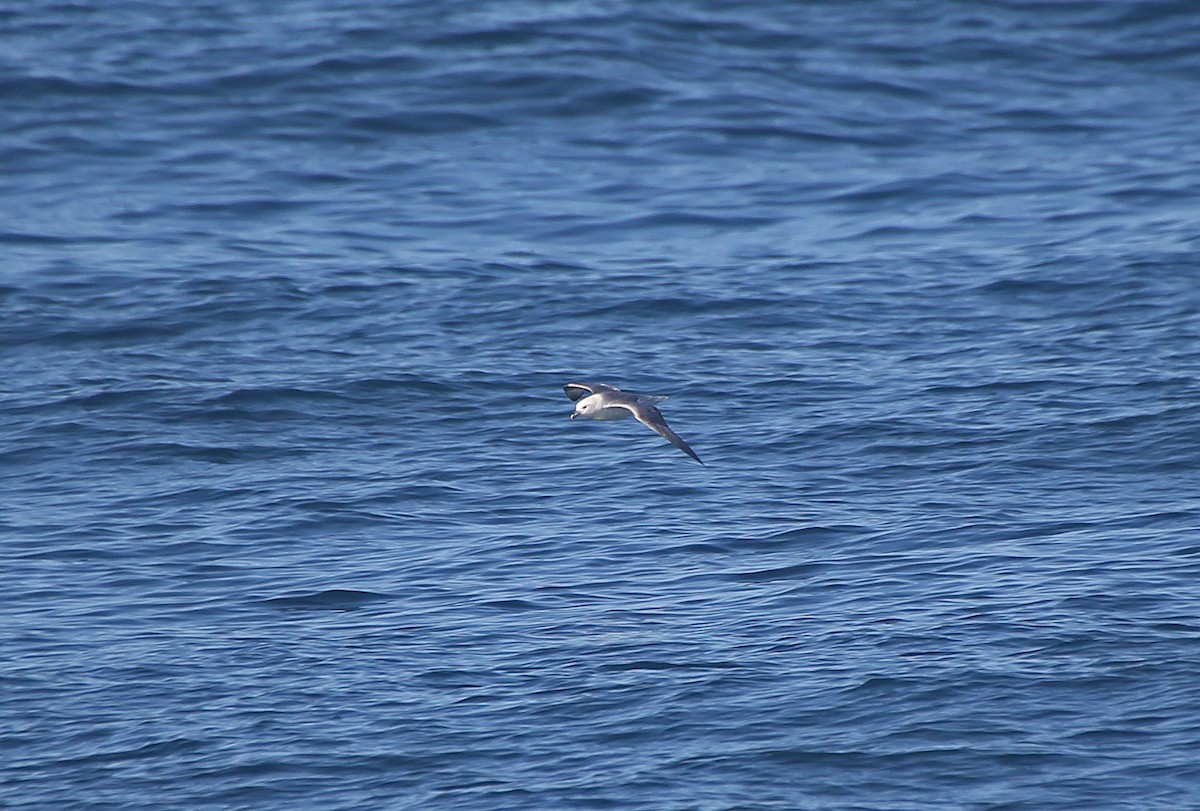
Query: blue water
x=292, y=513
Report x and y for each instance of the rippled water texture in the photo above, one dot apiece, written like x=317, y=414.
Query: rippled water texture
x=293, y=515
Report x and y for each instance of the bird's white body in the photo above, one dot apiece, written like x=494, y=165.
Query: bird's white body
x=593, y=407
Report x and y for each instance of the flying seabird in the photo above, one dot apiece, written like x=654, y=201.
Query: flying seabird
x=597, y=401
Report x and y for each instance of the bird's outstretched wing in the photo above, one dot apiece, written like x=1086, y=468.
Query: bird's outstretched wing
x=577, y=390
x=652, y=418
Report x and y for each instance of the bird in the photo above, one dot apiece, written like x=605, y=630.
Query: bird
x=597, y=401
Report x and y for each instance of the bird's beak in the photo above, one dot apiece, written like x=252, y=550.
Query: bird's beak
x=574, y=414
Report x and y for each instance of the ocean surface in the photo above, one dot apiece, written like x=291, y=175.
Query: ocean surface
x=292, y=515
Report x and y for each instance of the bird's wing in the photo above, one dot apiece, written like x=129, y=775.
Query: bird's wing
x=577, y=390
x=652, y=418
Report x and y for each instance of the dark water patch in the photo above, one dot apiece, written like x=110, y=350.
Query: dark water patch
x=421, y=384
x=18, y=238
x=146, y=331
x=388, y=64
x=940, y=186
x=68, y=552
x=657, y=665
x=271, y=396
x=236, y=208
x=30, y=88
x=326, y=600
x=665, y=221
x=453, y=678
x=608, y=101
x=216, y=455
x=650, y=307
x=514, y=605
x=700, y=549
x=1040, y=287
x=791, y=572
x=797, y=535
x=152, y=751
x=106, y=400
x=427, y=122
